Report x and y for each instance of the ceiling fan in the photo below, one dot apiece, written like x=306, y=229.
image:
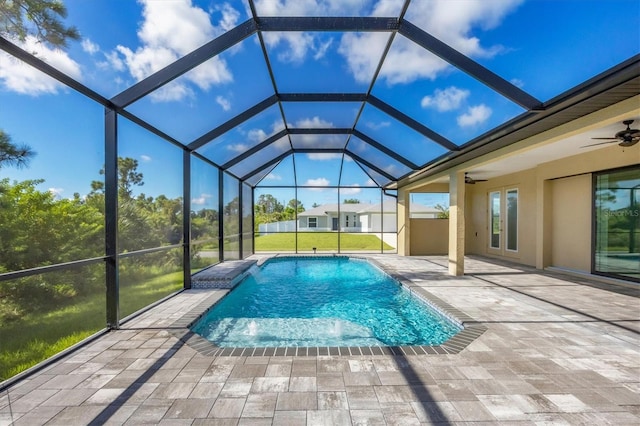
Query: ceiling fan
x=471, y=181
x=625, y=138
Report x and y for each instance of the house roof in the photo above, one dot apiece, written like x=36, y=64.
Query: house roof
x=388, y=206
x=333, y=208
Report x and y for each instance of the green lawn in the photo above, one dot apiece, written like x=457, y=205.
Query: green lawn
x=322, y=242
x=34, y=337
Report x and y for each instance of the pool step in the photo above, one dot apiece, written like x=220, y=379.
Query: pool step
x=223, y=275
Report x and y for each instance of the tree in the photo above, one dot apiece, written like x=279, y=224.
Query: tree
x=204, y=224
x=38, y=229
x=351, y=201
x=295, y=205
x=39, y=18
x=128, y=177
x=269, y=204
x=443, y=211
x=12, y=154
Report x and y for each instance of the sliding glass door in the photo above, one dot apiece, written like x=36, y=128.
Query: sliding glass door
x=616, y=248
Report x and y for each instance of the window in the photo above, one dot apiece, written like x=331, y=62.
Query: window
x=312, y=222
x=512, y=219
x=429, y=205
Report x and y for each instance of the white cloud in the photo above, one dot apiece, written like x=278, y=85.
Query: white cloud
x=90, y=47
x=475, y=115
x=392, y=169
x=201, y=200
x=57, y=192
x=257, y=135
x=273, y=176
x=362, y=53
x=223, y=102
x=324, y=156
x=277, y=126
x=317, y=182
x=22, y=78
x=350, y=191
x=238, y=147
x=113, y=60
x=316, y=7
x=377, y=126
x=173, y=91
x=517, y=82
x=445, y=100
x=145, y=158
x=297, y=45
x=316, y=140
x=169, y=31
x=312, y=123
x=321, y=51
x=406, y=61
x=230, y=16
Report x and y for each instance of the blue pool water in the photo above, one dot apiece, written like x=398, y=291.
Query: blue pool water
x=333, y=301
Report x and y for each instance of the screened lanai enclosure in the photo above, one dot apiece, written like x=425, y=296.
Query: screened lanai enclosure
x=176, y=135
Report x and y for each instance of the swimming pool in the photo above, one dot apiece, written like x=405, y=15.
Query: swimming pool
x=321, y=301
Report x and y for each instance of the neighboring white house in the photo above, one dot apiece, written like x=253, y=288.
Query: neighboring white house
x=349, y=218
x=420, y=211
x=360, y=217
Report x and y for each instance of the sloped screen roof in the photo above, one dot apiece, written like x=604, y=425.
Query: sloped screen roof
x=372, y=90
x=323, y=105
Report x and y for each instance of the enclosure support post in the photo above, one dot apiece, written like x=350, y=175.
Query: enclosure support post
x=240, y=227
x=456, y=223
x=111, y=218
x=186, y=217
x=220, y=215
x=253, y=221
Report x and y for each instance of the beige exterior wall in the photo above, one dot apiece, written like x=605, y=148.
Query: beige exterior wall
x=554, y=196
x=477, y=216
x=429, y=236
x=554, y=201
x=571, y=223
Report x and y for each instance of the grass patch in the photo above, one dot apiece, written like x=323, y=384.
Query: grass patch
x=37, y=336
x=322, y=241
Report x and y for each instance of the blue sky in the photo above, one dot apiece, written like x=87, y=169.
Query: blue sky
x=543, y=46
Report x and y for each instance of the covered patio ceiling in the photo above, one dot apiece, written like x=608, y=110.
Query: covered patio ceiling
x=399, y=89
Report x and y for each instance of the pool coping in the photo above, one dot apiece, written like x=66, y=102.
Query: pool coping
x=471, y=329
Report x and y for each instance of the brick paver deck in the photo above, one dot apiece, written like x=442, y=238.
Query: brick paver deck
x=555, y=351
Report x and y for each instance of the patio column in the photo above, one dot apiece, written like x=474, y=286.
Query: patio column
x=543, y=223
x=456, y=223
x=404, y=231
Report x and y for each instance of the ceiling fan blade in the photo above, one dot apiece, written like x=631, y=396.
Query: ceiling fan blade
x=600, y=143
x=606, y=139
